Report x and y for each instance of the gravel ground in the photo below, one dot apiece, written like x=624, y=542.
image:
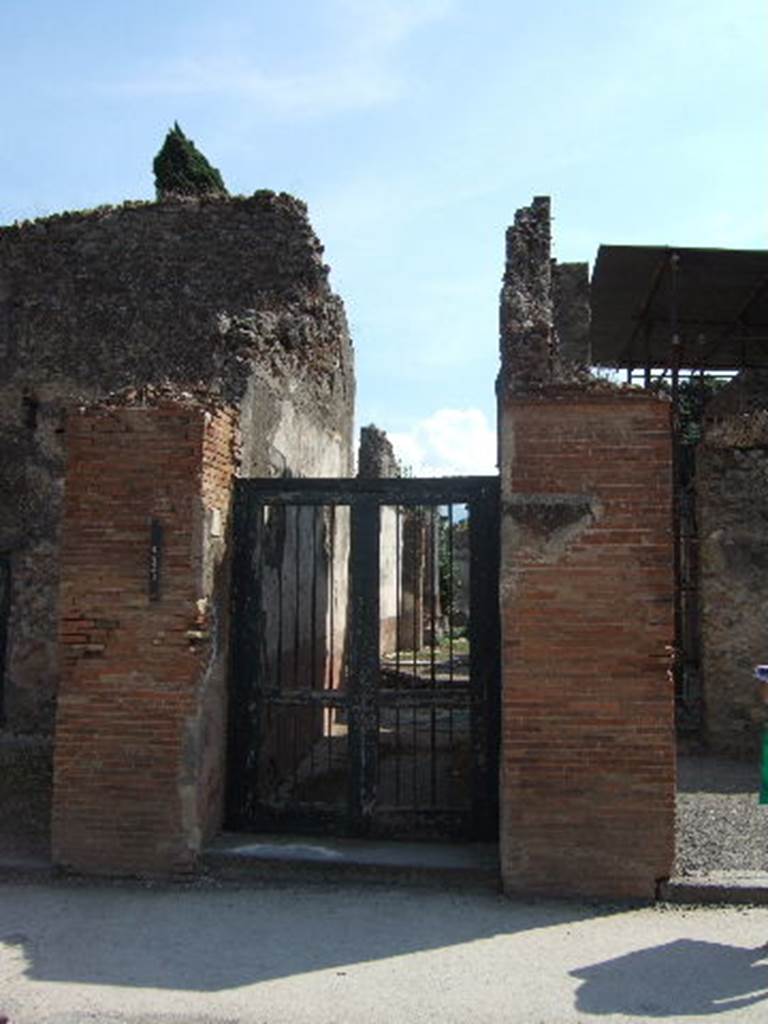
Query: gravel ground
x=720, y=825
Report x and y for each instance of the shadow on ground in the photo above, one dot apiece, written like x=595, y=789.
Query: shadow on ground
x=209, y=940
x=707, y=773
x=684, y=978
x=214, y=940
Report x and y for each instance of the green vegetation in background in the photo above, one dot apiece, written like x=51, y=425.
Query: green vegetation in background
x=693, y=394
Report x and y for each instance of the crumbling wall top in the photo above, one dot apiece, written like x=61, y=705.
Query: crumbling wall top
x=527, y=337
x=544, y=314
x=572, y=312
x=194, y=291
x=376, y=458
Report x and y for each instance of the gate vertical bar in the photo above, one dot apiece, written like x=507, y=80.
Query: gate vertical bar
x=247, y=631
x=484, y=639
x=363, y=676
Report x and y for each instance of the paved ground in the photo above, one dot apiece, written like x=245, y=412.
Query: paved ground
x=132, y=954
x=71, y=954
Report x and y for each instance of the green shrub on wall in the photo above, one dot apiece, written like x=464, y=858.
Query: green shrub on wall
x=182, y=170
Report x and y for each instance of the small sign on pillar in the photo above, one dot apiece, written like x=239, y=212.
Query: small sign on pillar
x=155, y=558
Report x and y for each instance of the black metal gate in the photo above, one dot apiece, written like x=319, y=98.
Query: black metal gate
x=365, y=657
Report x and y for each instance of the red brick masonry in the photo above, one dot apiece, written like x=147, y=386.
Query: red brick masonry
x=140, y=736
x=588, y=769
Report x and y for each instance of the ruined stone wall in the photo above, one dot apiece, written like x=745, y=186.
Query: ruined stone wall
x=376, y=457
x=544, y=310
x=528, y=345
x=377, y=461
x=222, y=298
x=588, y=750
x=731, y=490
x=571, y=311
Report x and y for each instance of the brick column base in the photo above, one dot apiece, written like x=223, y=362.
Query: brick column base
x=139, y=748
x=588, y=744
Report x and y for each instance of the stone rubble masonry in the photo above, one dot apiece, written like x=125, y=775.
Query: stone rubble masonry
x=588, y=749
x=526, y=309
x=177, y=290
x=139, y=753
x=731, y=484
x=544, y=313
x=572, y=311
x=224, y=298
x=376, y=458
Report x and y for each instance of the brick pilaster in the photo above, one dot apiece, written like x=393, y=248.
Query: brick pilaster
x=588, y=769
x=138, y=763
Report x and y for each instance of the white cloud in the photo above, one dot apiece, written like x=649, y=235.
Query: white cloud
x=388, y=22
x=346, y=87
x=450, y=442
x=358, y=73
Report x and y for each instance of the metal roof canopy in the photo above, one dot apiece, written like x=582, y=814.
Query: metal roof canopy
x=714, y=300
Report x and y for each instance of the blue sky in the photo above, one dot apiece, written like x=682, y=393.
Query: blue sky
x=413, y=129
